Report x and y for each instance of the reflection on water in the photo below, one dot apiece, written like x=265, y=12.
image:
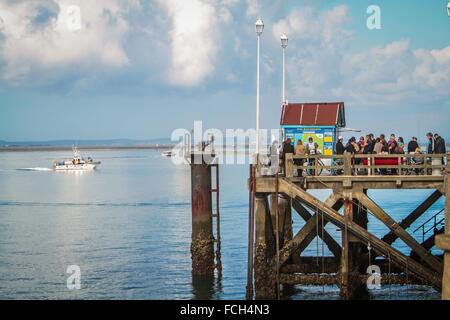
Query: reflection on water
x=206, y=287
x=128, y=226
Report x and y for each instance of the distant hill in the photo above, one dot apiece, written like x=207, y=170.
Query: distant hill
x=81, y=143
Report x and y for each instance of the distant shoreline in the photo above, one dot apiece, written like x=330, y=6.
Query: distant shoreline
x=87, y=147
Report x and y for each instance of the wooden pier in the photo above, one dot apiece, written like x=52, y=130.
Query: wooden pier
x=277, y=255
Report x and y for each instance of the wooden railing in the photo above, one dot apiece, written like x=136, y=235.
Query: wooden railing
x=366, y=164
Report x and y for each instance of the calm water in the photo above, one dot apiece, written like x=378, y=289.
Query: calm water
x=127, y=225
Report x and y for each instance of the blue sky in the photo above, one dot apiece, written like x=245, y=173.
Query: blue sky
x=140, y=69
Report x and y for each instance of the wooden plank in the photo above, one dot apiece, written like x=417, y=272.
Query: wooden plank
x=337, y=219
x=332, y=244
x=288, y=166
x=291, y=246
x=399, y=231
x=413, y=216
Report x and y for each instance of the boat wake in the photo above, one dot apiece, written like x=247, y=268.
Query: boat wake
x=35, y=169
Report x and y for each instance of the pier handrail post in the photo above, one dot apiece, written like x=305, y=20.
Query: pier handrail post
x=288, y=166
x=316, y=163
x=347, y=164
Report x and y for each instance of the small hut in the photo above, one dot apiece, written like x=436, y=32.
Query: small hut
x=321, y=121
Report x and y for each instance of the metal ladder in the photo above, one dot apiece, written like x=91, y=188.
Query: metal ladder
x=436, y=223
x=216, y=219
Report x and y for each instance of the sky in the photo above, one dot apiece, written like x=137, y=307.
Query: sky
x=106, y=69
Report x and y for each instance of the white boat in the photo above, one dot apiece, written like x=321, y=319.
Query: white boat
x=76, y=163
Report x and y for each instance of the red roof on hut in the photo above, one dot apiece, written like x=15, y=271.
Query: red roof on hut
x=314, y=114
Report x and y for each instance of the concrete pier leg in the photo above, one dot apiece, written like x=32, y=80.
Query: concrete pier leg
x=265, y=268
x=443, y=241
x=202, y=246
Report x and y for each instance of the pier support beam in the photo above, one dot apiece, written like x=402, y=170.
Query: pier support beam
x=265, y=268
x=353, y=252
x=284, y=216
x=202, y=245
x=443, y=240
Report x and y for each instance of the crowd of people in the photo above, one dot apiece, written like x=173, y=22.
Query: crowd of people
x=365, y=145
x=380, y=145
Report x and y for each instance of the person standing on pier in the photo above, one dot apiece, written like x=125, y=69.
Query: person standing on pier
x=384, y=143
x=431, y=143
x=340, y=146
x=370, y=144
x=287, y=148
x=400, y=146
x=299, y=151
x=311, y=149
x=439, y=146
x=392, y=144
x=378, y=148
x=352, y=147
x=339, y=150
x=412, y=145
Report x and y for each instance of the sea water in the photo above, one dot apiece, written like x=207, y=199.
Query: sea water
x=127, y=226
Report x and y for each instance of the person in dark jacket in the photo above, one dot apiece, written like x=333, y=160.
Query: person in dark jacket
x=439, y=144
x=392, y=144
x=287, y=148
x=370, y=144
x=350, y=147
x=339, y=150
x=412, y=145
x=431, y=143
x=384, y=143
x=340, y=146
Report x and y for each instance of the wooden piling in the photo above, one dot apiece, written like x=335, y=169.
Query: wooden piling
x=265, y=267
x=202, y=245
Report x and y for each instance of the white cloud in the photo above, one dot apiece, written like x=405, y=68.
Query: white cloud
x=320, y=68
x=316, y=47
x=252, y=8
x=193, y=40
x=36, y=37
x=397, y=74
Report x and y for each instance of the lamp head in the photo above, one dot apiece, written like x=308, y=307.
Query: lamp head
x=284, y=40
x=259, y=27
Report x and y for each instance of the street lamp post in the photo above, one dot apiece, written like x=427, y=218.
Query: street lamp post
x=284, y=43
x=259, y=27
